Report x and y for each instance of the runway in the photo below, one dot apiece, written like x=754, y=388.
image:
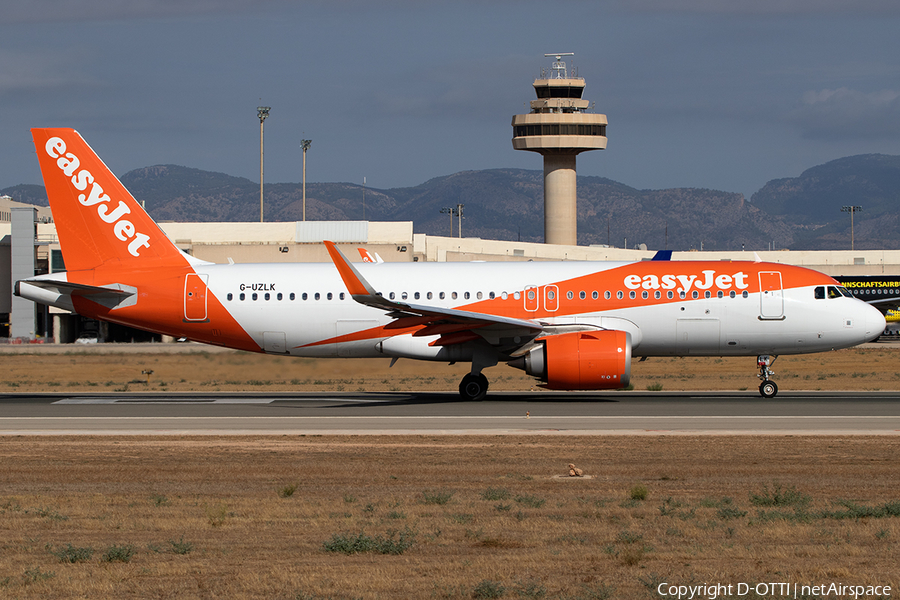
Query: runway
x=503, y=413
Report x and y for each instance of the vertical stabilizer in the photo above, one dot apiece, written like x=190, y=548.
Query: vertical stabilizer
x=99, y=223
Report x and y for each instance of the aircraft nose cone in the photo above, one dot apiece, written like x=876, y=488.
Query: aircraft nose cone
x=875, y=323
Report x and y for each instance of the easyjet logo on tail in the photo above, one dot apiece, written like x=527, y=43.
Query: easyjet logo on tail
x=123, y=229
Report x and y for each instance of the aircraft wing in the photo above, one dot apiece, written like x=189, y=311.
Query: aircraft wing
x=455, y=326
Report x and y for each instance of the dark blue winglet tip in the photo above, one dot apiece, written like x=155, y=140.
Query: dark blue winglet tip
x=662, y=255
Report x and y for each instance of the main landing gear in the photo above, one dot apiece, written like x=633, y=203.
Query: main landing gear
x=767, y=388
x=473, y=387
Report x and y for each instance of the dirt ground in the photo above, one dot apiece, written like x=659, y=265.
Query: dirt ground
x=295, y=517
x=384, y=517
x=194, y=367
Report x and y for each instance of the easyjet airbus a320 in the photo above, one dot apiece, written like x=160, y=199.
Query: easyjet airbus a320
x=572, y=325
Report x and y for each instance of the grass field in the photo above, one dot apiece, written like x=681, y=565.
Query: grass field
x=441, y=517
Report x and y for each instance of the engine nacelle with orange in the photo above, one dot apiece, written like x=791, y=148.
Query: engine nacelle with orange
x=580, y=360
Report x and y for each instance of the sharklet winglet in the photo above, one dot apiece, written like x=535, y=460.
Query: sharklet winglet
x=356, y=284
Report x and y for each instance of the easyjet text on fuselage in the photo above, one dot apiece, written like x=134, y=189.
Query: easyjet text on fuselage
x=705, y=281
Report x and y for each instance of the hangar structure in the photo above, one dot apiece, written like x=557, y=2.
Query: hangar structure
x=29, y=246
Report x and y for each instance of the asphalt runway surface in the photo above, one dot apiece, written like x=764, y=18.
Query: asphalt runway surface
x=399, y=413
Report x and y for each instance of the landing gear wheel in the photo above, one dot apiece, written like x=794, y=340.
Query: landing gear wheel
x=768, y=389
x=473, y=387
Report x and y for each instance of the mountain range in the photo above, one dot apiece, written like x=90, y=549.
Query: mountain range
x=798, y=213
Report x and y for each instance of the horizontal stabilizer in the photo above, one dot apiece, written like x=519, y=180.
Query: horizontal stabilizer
x=111, y=296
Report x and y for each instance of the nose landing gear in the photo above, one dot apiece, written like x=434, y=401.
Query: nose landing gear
x=768, y=388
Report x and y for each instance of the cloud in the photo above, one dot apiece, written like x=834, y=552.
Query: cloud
x=763, y=7
x=848, y=114
x=101, y=10
x=38, y=71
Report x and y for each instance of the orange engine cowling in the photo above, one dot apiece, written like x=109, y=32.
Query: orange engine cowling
x=580, y=360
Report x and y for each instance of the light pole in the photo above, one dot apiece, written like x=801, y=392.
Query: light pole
x=262, y=112
x=851, y=210
x=448, y=211
x=459, y=213
x=304, y=144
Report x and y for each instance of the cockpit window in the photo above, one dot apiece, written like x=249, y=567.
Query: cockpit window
x=833, y=292
x=820, y=292
x=845, y=292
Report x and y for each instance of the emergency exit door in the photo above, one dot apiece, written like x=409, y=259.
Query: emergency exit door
x=771, y=295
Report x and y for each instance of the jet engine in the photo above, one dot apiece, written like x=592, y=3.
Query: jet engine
x=580, y=360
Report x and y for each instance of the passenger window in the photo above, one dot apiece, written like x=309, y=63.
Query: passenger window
x=504, y=295
x=516, y=295
x=230, y=296
x=268, y=296
x=657, y=294
x=479, y=295
x=731, y=294
x=279, y=296
x=391, y=296
x=682, y=295
x=416, y=295
x=619, y=294
x=819, y=292
x=707, y=294
x=441, y=295
x=403, y=296
x=670, y=294
x=645, y=294
x=491, y=295
x=255, y=296
x=342, y=295
x=594, y=295
x=317, y=296
x=582, y=295
x=570, y=294
x=453, y=295
x=304, y=296
x=607, y=295
x=744, y=294
x=242, y=296
x=429, y=296
x=695, y=294
x=328, y=296
x=632, y=294
x=467, y=295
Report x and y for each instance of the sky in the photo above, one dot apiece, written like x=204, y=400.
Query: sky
x=714, y=94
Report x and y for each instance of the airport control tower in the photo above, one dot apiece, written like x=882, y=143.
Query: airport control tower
x=559, y=127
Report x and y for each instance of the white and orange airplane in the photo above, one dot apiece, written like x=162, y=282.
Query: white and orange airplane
x=572, y=325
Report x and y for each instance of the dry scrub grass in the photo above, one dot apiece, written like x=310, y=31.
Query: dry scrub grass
x=871, y=368
x=253, y=514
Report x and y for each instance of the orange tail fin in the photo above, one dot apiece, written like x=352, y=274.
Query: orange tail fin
x=97, y=220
